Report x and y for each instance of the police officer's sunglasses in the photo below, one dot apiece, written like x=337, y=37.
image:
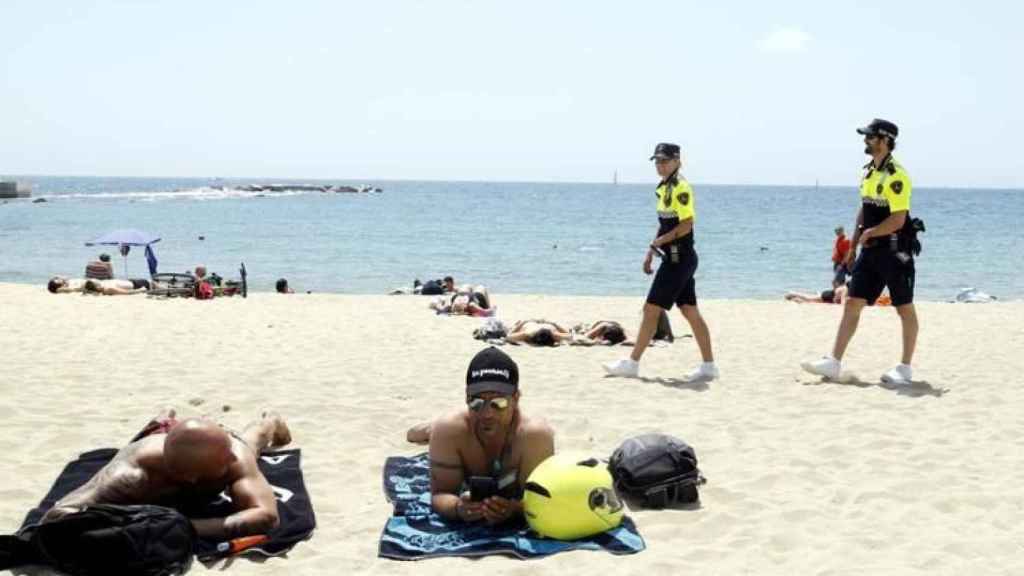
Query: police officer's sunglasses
x=478, y=404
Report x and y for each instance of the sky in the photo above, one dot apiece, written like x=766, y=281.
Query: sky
x=755, y=93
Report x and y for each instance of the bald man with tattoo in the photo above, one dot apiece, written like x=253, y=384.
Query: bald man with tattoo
x=172, y=461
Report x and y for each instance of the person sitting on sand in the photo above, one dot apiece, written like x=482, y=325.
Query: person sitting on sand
x=282, y=287
x=490, y=438
x=171, y=461
x=100, y=269
x=115, y=287
x=538, y=332
x=62, y=285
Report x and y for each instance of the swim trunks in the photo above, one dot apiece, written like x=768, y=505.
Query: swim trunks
x=156, y=426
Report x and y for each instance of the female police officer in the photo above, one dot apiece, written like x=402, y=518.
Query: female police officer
x=674, y=283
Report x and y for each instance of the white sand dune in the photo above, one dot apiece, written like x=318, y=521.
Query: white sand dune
x=804, y=477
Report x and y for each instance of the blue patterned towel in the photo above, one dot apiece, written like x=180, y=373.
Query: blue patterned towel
x=414, y=532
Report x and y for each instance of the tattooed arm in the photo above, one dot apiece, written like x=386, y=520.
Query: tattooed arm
x=119, y=482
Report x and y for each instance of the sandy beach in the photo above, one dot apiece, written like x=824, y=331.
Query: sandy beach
x=804, y=477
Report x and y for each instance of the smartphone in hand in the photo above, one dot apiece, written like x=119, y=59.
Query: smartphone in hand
x=482, y=487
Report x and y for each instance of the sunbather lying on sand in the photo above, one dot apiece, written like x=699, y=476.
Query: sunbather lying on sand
x=170, y=461
x=538, y=332
x=115, y=287
x=62, y=285
x=469, y=301
x=837, y=296
x=601, y=332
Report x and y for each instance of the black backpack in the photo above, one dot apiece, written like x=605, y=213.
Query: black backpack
x=106, y=539
x=432, y=288
x=655, y=471
x=664, y=329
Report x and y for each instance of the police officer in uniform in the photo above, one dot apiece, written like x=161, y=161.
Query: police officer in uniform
x=674, y=282
x=885, y=236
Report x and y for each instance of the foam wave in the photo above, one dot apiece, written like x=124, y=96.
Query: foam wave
x=201, y=193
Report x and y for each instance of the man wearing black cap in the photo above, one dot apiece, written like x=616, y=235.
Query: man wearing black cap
x=885, y=233
x=488, y=449
x=674, y=283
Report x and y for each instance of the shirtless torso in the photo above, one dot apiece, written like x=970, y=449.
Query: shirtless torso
x=527, y=330
x=140, y=474
x=459, y=449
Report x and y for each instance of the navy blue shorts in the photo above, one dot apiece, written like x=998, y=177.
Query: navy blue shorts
x=840, y=274
x=674, y=283
x=878, y=268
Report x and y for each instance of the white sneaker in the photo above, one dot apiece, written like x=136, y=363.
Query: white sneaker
x=826, y=366
x=706, y=372
x=898, y=376
x=627, y=368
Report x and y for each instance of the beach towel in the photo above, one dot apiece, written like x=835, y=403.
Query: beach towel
x=973, y=296
x=414, y=532
x=491, y=329
x=282, y=469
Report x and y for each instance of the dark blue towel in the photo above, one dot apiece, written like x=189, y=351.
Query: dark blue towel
x=414, y=532
x=283, y=469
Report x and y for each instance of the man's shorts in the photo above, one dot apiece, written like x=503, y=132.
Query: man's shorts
x=674, y=283
x=161, y=425
x=840, y=274
x=877, y=268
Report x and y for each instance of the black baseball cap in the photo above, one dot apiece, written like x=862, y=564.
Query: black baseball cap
x=879, y=127
x=666, y=151
x=491, y=370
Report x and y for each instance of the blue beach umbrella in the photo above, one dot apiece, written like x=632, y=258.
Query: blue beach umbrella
x=126, y=238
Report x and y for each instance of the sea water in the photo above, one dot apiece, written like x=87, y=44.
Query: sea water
x=753, y=241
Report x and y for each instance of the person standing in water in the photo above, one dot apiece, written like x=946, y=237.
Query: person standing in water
x=674, y=283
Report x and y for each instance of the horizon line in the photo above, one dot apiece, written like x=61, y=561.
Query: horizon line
x=268, y=179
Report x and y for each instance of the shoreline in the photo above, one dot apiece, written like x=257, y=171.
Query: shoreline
x=637, y=298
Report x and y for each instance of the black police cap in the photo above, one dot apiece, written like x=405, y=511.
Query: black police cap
x=879, y=127
x=666, y=151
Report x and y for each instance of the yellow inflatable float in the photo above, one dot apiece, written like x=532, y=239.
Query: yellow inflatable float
x=567, y=498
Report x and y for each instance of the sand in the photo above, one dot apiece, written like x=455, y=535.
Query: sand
x=804, y=477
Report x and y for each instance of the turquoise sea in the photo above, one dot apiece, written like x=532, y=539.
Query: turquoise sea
x=754, y=241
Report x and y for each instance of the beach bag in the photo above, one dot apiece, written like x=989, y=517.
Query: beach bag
x=655, y=471
x=491, y=329
x=664, y=329
x=108, y=540
x=204, y=291
x=432, y=288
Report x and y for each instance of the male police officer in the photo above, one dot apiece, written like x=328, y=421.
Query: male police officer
x=885, y=233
